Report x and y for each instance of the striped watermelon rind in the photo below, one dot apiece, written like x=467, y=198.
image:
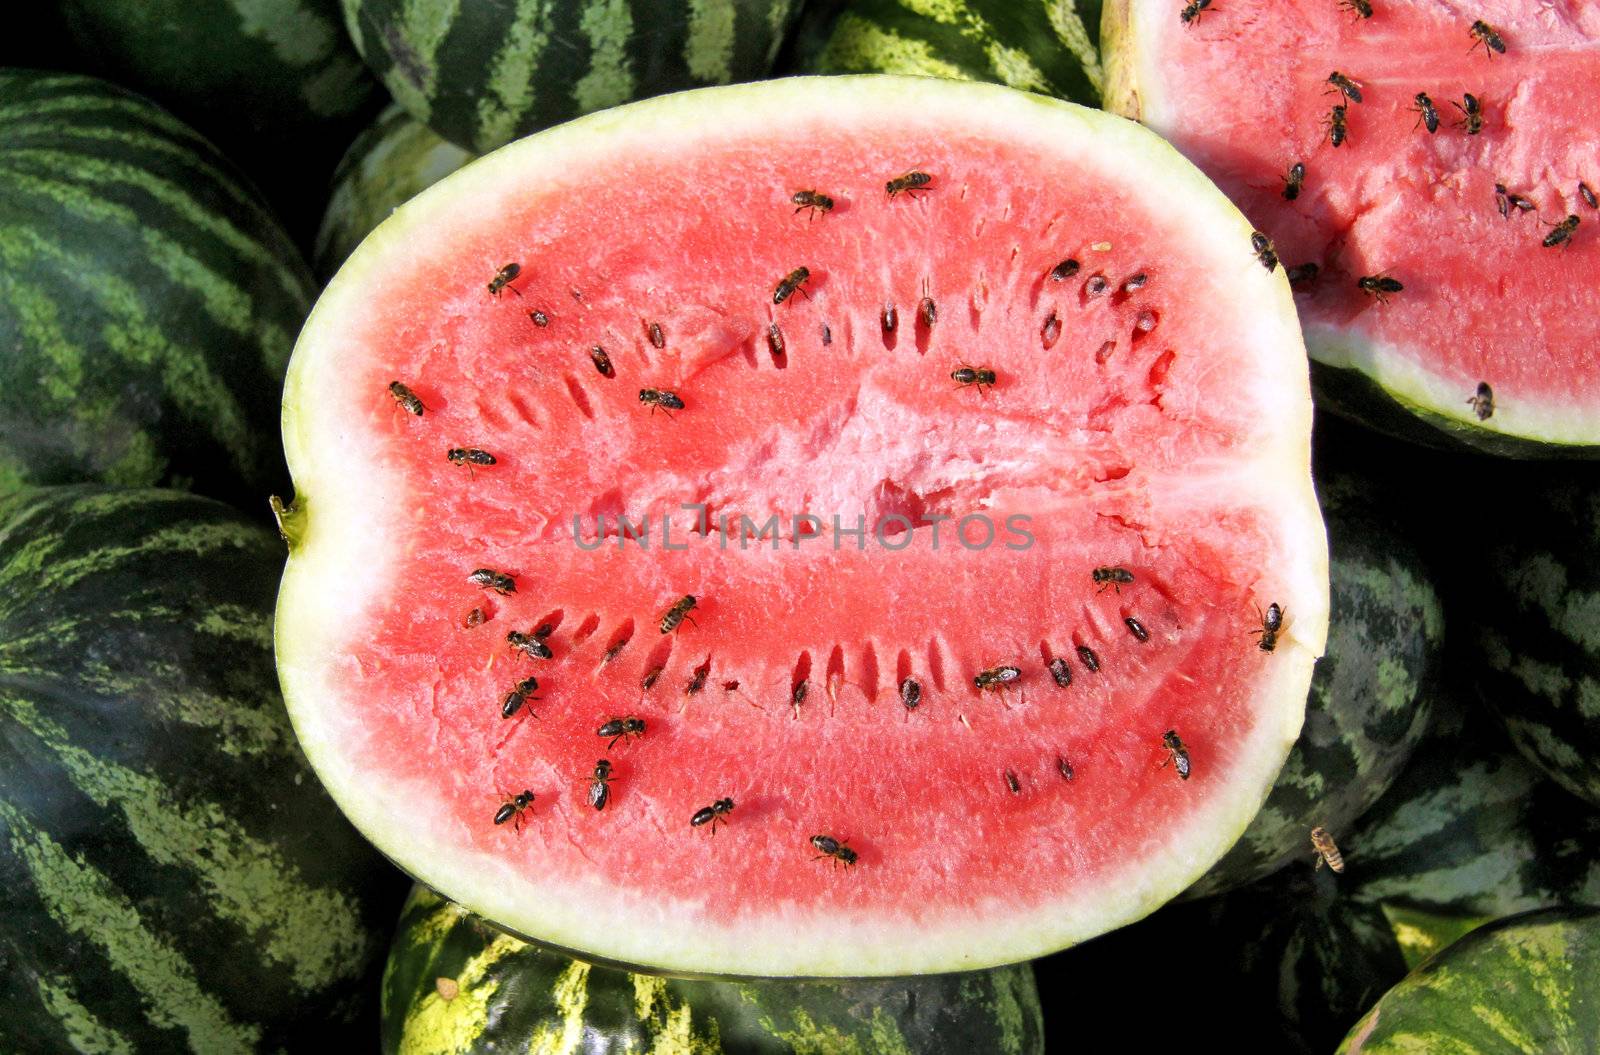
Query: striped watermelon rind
x=482, y=74
x=172, y=875
x=455, y=983
x=148, y=299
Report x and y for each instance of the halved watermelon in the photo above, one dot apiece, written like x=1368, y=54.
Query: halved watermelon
x=676, y=331
x=1488, y=331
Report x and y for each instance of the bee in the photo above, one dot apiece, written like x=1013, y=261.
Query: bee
x=621, y=729
x=797, y=695
x=1379, y=286
x=1012, y=783
x=678, y=613
x=1190, y=15
x=1060, y=672
x=927, y=311
x=889, y=320
x=660, y=398
x=1485, y=34
x=909, y=183
x=1294, y=180
x=828, y=846
x=1471, y=113
x=816, y=201
x=1136, y=628
x=775, y=341
x=1302, y=274
x=658, y=336
x=1271, y=625
x=996, y=678
x=514, y=806
x=791, y=284
x=1361, y=8
x=1064, y=270
x=1344, y=85
x=1482, y=401
x=539, y=318
x=600, y=785
x=1427, y=113
x=714, y=814
x=1064, y=768
x=1561, y=233
x=1177, y=754
x=1264, y=250
x=1087, y=657
x=471, y=457
x=1114, y=577
x=1326, y=849
x=910, y=693
x=489, y=579
x=602, y=361
x=406, y=398
x=1587, y=194
x=531, y=645
x=981, y=376
x=503, y=279
x=1338, y=125
x=521, y=693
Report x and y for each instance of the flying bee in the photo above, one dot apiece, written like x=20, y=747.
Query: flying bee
x=660, y=398
x=910, y=693
x=909, y=183
x=1345, y=86
x=602, y=361
x=1427, y=113
x=678, y=613
x=520, y=693
x=1561, y=233
x=1338, y=125
x=600, y=785
x=621, y=729
x=1485, y=34
x=981, y=376
x=1361, y=8
x=1471, y=113
x=792, y=283
x=1326, y=849
x=471, y=457
x=1191, y=13
x=1271, y=625
x=714, y=814
x=530, y=645
x=837, y=849
x=1587, y=194
x=816, y=201
x=489, y=579
x=1302, y=274
x=1060, y=673
x=996, y=678
x=1379, y=286
x=1294, y=180
x=503, y=279
x=1114, y=577
x=514, y=806
x=1264, y=250
x=406, y=398
x=1482, y=401
x=1177, y=754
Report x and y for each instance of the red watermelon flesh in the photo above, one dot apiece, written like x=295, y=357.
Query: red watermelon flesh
x=1243, y=91
x=1160, y=427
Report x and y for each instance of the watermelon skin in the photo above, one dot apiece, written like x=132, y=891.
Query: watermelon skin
x=1045, y=46
x=512, y=996
x=1371, y=694
x=481, y=73
x=392, y=161
x=172, y=876
x=1525, y=984
x=148, y=299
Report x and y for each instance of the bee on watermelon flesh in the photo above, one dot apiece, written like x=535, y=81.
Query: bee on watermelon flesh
x=520, y=694
x=600, y=785
x=1338, y=125
x=1266, y=253
x=471, y=457
x=678, y=613
x=406, y=398
x=1482, y=401
x=908, y=184
x=996, y=678
x=792, y=283
x=981, y=376
x=714, y=814
x=1427, y=113
x=660, y=399
x=1485, y=34
x=1360, y=8
x=503, y=278
x=1177, y=754
x=1561, y=233
x=514, y=807
x=1379, y=286
x=1191, y=13
x=1471, y=113
x=621, y=729
x=1343, y=85
x=1271, y=625
x=816, y=201
x=1112, y=576
x=836, y=849
x=530, y=645
x=489, y=579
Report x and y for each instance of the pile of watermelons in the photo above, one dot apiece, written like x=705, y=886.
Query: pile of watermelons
x=179, y=179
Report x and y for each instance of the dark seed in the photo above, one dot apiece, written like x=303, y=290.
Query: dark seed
x=1064, y=270
x=1090, y=660
x=1061, y=672
x=1012, y=782
x=539, y=318
x=890, y=319
x=657, y=338
x=1064, y=768
x=1096, y=286
x=910, y=694
x=1136, y=628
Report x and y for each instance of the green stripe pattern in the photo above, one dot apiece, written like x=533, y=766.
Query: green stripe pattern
x=173, y=876
x=1523, y=986
x=1045, y=46
x=482, y=74
x=454, y=985
x=1370, y=695
x=148, y=300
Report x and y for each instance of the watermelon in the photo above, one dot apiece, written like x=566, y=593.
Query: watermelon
x=1045, y=46
x=455, y=984
x=148, y=300
x=1525, y=984
x=172, y=876
x=1371, y=694
x=391, y=162
x=481, y=73
x=462, y=638
x=1429, y=212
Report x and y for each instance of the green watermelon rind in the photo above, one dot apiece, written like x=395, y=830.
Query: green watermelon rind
x=339, y=508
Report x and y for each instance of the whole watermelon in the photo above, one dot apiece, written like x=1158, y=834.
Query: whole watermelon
x=172, y=876
x=455, y=984
x=148, y=299
x=482, y=73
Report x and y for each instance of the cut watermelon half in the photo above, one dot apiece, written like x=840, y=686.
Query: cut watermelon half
x=1493, y=336
x=1148, y=412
